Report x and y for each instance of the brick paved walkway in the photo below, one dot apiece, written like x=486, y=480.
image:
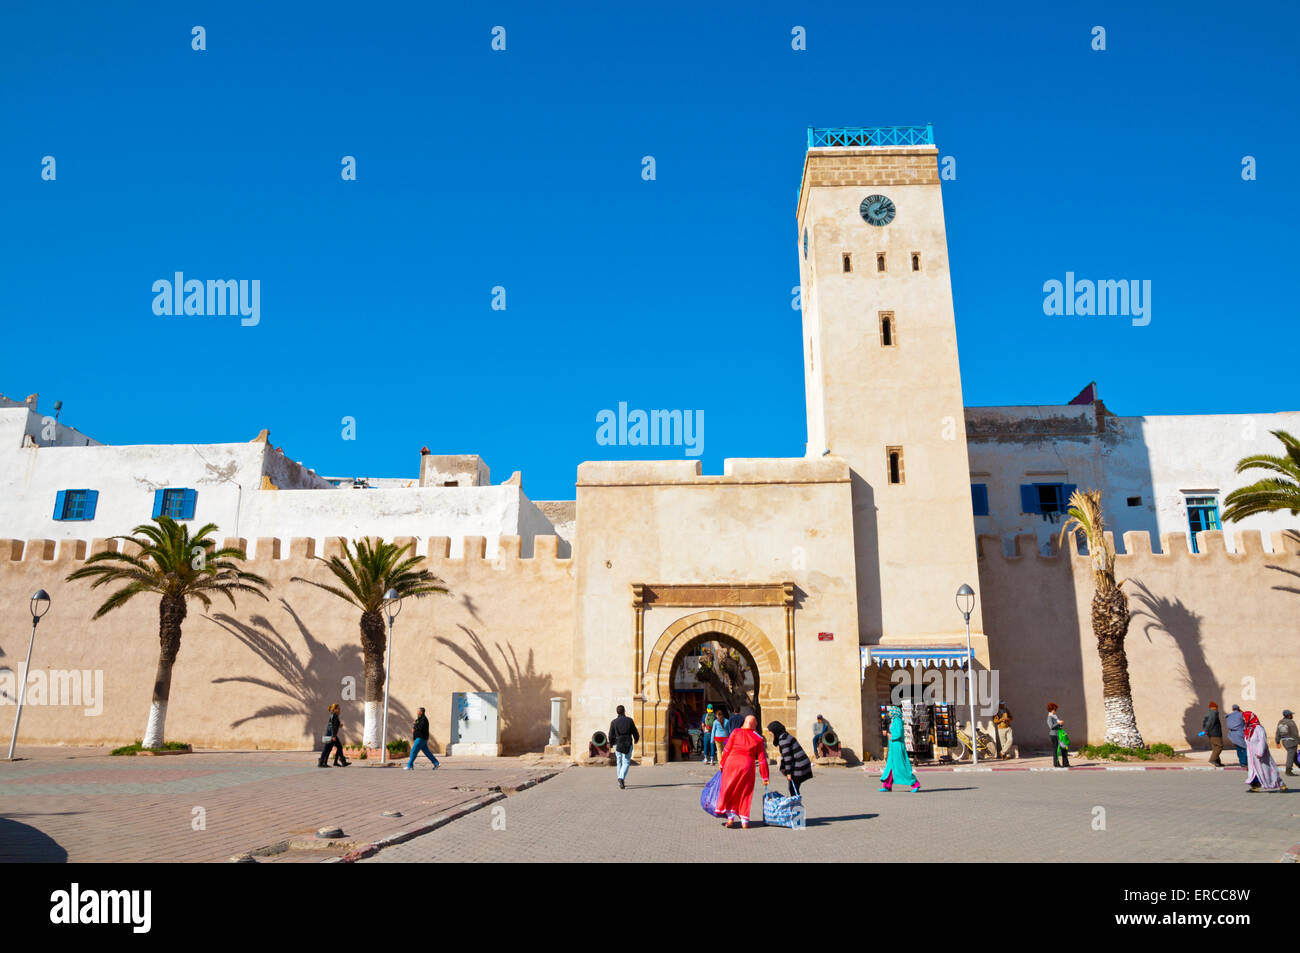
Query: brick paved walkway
x=82, y=805
x=1035, y=816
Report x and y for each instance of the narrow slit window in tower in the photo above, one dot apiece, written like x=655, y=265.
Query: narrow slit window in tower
x=894, y=455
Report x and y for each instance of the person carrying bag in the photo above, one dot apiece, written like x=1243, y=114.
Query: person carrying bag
x=332, y=741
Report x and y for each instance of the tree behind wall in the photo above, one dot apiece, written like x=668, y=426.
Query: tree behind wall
x=1275, y=494
x=722, y=669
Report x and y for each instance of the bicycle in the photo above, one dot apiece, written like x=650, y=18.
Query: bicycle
x=963, y=746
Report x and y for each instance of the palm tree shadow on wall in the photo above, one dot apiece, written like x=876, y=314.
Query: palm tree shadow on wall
x=308, y=686
x=1294, y=588
x=524, y=693
x=1183, y=625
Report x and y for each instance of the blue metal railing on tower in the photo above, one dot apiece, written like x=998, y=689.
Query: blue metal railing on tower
x=820, y=137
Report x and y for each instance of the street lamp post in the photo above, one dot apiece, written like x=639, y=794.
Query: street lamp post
x=392, y=605
x=965, y=603
x=40, y=605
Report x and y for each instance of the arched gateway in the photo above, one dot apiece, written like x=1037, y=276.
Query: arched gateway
x=773, y=671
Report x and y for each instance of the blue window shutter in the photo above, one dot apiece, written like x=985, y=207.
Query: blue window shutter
x=157, y=503
x=58, y=504
x=1029, y=498
x=92, y=497
x=187, y=504
x=979, y=495
x=1067, y=490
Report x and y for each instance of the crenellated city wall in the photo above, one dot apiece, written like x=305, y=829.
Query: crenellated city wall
x=1210, y=626
x=1213, y=626
x=262, y=674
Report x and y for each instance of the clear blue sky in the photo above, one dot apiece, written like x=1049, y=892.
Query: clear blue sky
x=523, y=169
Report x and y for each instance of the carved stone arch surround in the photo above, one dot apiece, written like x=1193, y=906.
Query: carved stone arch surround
x=775, y=670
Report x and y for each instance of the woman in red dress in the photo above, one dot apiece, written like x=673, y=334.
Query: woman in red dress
x=744, y=747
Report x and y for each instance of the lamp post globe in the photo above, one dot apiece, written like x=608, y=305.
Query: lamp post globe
x=40, y=603
x=392, y=603
x=965, y=600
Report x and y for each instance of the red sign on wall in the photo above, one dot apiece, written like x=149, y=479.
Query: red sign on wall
x=825, y=636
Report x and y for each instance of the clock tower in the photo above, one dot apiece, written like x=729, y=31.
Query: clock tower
x=882, y=382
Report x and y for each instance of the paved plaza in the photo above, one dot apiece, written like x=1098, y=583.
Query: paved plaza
x=1036, y=816
x=79, y=804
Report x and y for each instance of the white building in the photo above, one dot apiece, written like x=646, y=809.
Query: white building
x=1167, y=474
x=56, y=483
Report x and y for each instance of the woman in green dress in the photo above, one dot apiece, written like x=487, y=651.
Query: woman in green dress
x=898, y=766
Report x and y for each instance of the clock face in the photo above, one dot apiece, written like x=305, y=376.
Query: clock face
x=877, y=210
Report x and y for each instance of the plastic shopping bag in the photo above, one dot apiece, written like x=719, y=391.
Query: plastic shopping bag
x=709, y=796
x=782, y=811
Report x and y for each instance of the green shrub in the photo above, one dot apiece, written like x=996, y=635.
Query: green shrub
x=1118, y=753
x=138, y=746
x=400, y=746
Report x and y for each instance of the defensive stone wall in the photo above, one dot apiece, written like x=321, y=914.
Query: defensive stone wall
x=1213, y=626
x=261, y=674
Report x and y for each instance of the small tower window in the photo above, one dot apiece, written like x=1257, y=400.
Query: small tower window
x=848, y=263
x=887, y=336
x=916, y=261
x=805, y=244
x=894, y=457
x=880, y=261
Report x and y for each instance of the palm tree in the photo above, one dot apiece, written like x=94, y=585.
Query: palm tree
x=1110, y=617
x=177, y=566
x=1272, y=494
x=365, y=572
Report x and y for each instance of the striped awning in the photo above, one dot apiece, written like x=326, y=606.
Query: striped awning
x=894, y=656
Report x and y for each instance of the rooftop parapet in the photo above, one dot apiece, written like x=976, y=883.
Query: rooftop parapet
x=739, y=470
x=1031, y=423
x=856, y=137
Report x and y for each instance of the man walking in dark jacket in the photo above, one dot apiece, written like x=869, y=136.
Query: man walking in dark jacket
x=794, y=760
x=420, y=741
x=1212, y=728
x=736, y=721
x=1287, y=736
x=622, y=735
